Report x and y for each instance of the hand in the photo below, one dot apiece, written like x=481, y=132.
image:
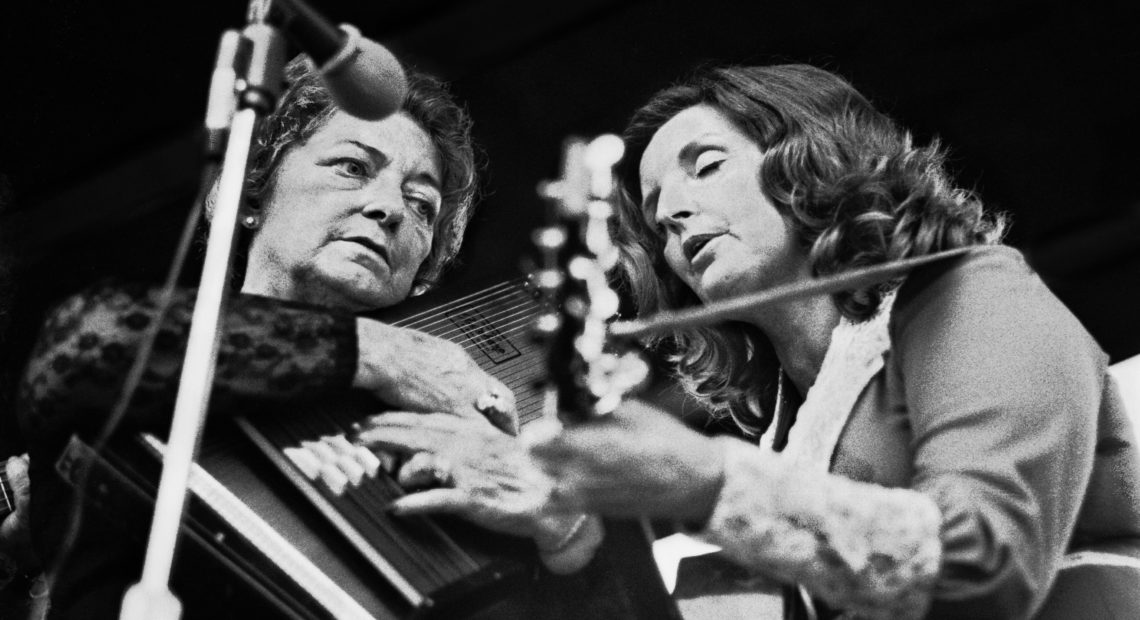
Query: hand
x=487, y=476
x=637, y=461
x=487, y=479
x=15, y=534
x=418, y=372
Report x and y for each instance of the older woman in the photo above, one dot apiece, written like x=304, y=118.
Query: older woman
x=933, y=447
x=344, y=215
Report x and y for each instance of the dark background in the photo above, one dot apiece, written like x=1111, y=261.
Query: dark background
x=1038, y=102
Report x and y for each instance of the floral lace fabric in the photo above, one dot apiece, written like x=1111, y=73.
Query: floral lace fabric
x=269, y=349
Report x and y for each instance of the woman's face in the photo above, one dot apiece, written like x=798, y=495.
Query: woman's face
x=700, y=179
x=349, y=216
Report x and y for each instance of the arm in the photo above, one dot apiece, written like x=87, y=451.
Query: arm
x=1004, y=428
x=269, y=348
x=1001, y=386
x=859, y=546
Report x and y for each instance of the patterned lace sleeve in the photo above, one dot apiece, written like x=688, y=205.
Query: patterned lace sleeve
x=868, y=549
x=269, y=349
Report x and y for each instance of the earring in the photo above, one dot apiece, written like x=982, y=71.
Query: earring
x=251, y=222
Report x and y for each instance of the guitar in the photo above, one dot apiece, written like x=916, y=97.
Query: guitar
x=587, y=375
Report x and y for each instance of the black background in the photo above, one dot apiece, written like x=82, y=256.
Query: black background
x=1037, y=101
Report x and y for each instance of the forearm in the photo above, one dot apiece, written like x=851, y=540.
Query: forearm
x=869, y=549
x=268, y=349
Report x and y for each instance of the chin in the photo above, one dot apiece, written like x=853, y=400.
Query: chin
x=354, y=294
x=727, y=288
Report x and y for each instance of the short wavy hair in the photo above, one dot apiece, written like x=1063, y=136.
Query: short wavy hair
x=305, y=107
x=854, y=188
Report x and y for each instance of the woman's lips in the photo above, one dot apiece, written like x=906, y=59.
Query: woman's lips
x=372, y=246
x=695, y=244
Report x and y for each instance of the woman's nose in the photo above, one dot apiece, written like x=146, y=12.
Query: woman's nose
x=672, y=208
x=386, y=206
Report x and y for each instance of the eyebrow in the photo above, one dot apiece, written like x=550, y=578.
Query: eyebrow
x=379, y=156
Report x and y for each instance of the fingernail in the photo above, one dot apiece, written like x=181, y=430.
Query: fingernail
x=393, y=508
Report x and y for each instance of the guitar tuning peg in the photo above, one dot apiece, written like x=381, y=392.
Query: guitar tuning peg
x=547, y=324
x=605, y=150
x=548, y=280
x=549, y=237
x=551, y=190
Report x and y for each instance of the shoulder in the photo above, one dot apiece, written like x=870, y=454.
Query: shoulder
x=986, y=269
x=990, y=297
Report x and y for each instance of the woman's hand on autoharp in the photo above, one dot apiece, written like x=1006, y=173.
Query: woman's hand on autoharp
x=415, y=371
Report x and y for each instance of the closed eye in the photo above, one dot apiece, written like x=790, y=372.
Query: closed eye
x=709, y=168
x=708, y=162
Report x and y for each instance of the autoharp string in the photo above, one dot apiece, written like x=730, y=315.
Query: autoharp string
x=424, y=555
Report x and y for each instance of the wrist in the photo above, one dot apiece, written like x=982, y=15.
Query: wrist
x=707, y=488
x=567, y=543
x=370, y=361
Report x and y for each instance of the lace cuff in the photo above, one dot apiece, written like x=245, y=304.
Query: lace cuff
x=865, y=548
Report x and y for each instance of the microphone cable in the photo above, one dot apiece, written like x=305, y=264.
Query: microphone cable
x=78, y=503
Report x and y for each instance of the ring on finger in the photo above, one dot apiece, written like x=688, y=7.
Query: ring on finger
x=491, y=402
x=441, y=473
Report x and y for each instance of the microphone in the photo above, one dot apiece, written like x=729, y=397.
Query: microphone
x=364, y=78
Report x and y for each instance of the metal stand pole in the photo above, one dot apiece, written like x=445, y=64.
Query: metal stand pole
x=151, y=598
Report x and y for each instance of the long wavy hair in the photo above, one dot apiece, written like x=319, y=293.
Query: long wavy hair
x=848, y=179
x=305, y=107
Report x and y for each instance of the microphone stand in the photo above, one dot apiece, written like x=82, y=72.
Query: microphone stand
x=150, y=598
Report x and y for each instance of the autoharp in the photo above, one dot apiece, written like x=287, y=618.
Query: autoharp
x=307, y=552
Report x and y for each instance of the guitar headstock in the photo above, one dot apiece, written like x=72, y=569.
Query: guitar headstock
x=587, y=376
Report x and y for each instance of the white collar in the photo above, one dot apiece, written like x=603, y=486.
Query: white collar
x=854, y=355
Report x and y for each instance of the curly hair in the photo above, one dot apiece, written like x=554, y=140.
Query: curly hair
x=306, y=106
x=854, y=188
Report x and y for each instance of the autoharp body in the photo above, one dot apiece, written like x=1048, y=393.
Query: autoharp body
x=433, y=566
x=314, y=554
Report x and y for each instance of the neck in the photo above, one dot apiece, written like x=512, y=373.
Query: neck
x=800, y=332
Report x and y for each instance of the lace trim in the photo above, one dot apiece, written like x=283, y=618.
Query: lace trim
x=854, y=356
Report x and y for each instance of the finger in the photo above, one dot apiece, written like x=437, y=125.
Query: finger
x=17, y=470
x=445, y=422
x=541, y=432
x=418, y=471
x=407, y=432
x=440, y=500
